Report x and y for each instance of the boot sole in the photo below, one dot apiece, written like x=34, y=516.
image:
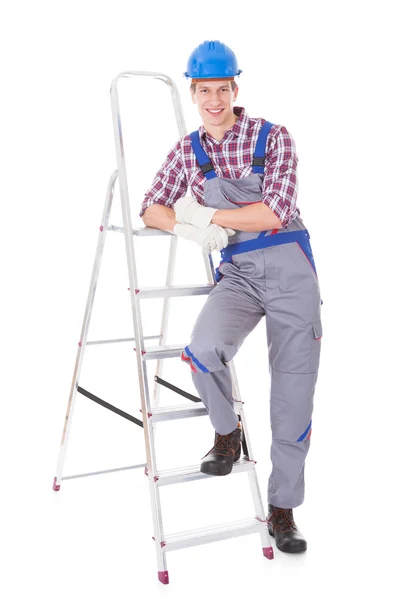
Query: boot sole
x=214, y=470
x=294, y=549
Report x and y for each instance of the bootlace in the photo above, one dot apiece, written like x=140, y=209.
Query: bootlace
x=283, y=517
x=223, y=444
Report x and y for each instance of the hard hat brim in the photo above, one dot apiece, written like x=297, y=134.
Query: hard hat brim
x=188, y=76
x=199, y=79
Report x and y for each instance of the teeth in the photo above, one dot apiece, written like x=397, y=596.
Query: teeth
x=215, y=111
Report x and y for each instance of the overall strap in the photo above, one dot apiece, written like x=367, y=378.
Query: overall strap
x=202, y=158
x=264, y=242
x=259, y=153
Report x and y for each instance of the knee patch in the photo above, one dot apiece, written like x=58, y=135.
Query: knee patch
x=196, y=366
x=306, y=434
x=206, y=359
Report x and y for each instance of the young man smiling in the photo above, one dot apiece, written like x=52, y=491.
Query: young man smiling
x=215, y=99
x=242, y=176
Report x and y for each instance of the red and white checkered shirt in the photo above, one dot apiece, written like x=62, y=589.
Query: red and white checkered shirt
x=231, y=158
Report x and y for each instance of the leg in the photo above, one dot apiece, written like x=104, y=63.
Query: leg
x=228, y=316
x=293, y=332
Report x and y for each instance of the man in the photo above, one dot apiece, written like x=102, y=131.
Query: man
x=242, y=175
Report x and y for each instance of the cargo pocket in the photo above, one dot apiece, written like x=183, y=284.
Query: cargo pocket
x=316, y=346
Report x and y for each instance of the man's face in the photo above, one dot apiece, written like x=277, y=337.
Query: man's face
x=214, y=99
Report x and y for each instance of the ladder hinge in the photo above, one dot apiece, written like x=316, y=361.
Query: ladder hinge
x=141, y=352
x=162, y=544
x=148, y=414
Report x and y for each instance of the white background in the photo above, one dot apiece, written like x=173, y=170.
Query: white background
x=329, y=73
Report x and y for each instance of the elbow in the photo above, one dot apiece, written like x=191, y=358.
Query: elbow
x=144, y=214
x=277, y=224
x=271, y=221
x=148, y=215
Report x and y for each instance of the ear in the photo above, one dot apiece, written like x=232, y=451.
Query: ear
x=193, y=96
x=235, y=94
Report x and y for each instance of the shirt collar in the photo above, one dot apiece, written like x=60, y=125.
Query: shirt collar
x=239, y=129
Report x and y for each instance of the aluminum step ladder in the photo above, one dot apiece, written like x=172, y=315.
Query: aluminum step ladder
x=152, y=413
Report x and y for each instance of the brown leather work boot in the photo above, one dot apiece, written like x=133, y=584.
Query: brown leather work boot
x=226, y=450
x=282, y=527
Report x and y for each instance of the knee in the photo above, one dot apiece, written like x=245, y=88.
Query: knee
x=204, y=358
x=294, y=433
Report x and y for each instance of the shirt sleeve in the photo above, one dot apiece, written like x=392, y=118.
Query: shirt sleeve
x=280, y=178
x=169, y=183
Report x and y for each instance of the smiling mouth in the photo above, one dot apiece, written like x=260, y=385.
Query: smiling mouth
x=214, y=112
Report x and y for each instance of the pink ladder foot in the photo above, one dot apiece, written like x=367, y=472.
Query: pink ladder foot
x=268, y=552
x=163, y=576
x=56, y=487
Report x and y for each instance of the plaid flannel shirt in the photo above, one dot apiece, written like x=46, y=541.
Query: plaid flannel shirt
x=231, y=158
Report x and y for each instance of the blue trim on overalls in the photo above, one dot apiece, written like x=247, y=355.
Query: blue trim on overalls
x=302, y=237
x=203, y=159
x=301, y=438
x=201, y=155
x=195, y=360
x=259, y=152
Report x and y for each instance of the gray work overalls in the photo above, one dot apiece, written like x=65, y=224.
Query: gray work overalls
x=261, y=274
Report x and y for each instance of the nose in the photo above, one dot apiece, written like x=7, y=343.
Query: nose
x=214, y=98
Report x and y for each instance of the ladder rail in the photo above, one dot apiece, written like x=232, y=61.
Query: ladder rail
x=122, y=168
x=252, y=475
x=85, y=327
x=135, y=302
x=165, y=315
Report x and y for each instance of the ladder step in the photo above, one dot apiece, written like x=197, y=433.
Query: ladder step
x=192, y=473
x=170, y=291
x=141, y=231
x=170, y=413
x=153, y=352
x=118, y=340
x=195, y=537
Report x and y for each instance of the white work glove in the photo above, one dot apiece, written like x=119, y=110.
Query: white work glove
x=188, y=210
x=210, y=238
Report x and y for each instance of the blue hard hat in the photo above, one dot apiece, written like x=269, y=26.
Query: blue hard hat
x=212, y=60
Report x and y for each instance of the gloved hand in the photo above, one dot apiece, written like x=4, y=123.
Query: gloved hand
x=188, y=210
x=210, y=238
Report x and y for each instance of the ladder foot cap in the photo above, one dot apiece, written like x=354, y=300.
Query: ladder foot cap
x=268, y=552
x=163, y=576
x=56, y=487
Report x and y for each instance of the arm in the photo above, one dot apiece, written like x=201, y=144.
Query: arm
x=280, y=186
x=210, y=238
x=279, y=192
x=257, y=217
x=160, y=217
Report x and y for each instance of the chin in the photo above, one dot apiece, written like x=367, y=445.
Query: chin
x=213, y=122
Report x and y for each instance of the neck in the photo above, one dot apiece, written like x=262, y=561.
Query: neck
x=218, y=132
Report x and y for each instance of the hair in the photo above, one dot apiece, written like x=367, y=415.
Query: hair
x=233, y=86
